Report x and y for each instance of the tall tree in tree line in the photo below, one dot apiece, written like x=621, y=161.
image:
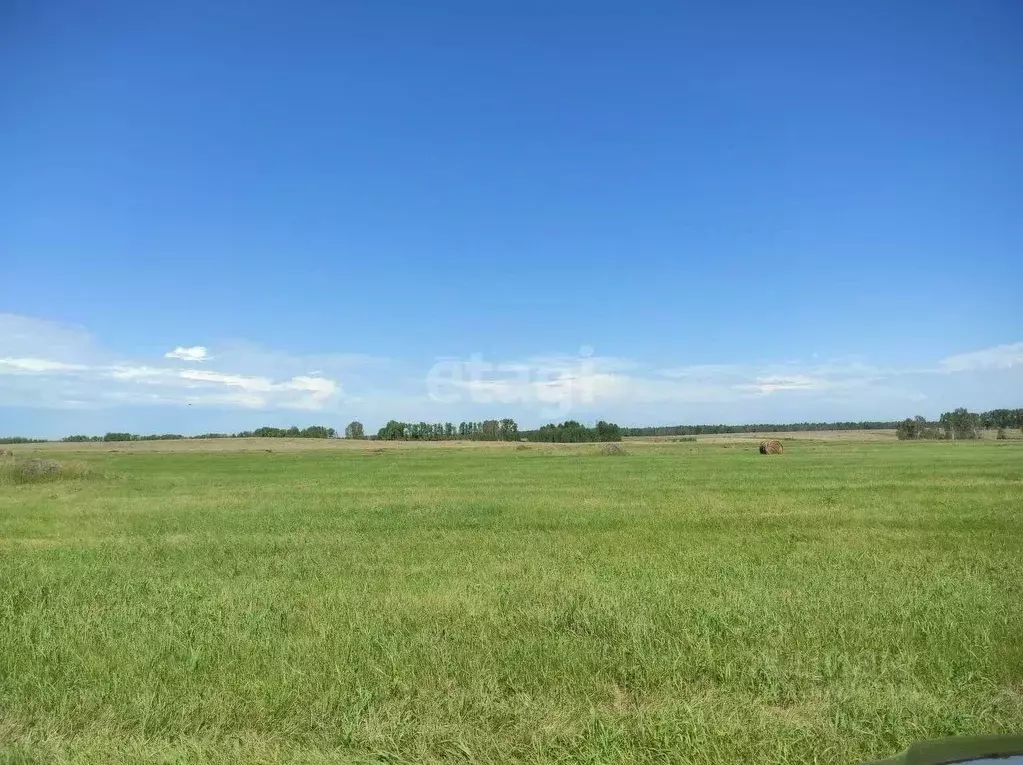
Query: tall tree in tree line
x=960, y=424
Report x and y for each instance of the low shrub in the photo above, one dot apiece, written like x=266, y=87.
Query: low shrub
x=40, y=470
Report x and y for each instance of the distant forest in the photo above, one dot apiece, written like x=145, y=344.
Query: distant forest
x=956, y=424
x=707, y=430
x=313, y=431
x=960, y=424
x=494, y=430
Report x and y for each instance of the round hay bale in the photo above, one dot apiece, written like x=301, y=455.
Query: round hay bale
x=612, y=448
x=771, y=447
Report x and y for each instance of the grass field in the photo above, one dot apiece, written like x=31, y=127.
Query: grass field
x=682, y=603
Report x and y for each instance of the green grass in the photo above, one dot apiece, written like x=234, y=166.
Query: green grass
x=686, y=603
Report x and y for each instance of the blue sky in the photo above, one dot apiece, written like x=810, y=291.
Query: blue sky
x=654, y=213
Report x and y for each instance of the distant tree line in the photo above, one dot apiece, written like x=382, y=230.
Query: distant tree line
x=707, y=430
x=498, y=430
x=487, y=430
x=1002, y=418
x=124, y=437
x=959, y=424
x=572, y=432
x=313, y=431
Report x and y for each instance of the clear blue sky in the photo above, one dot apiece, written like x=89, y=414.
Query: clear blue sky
x=807, y=208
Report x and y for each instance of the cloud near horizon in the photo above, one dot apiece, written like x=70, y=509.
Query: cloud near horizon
x=49, y=365
x=69, y=370
x=999, y=357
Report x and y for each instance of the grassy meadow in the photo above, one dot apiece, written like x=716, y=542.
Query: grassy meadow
x=680, y=603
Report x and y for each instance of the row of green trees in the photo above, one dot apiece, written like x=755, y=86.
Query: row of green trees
x=707, y=430
x=486, y=430
x=572, y=432
x=124, y=437
x=493, y=430
x=313, y=431
x=1002, y=418
x=959, y=425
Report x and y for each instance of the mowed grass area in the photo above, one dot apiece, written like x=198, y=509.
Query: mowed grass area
x=683, y=603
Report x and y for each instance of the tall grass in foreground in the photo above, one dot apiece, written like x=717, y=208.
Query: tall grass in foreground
x=40, y=470
x=691, y=603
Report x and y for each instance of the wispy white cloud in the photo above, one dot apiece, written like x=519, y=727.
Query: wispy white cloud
x=999, y=357
x=700, y=371
x=131, y=372
x=301, y=392
x=831, y=378
x=564, y=383
x=251, y=378
x=255, y=384
x=37, y=366
x=773, y=383
x=557, y=385
x=49, y=365
x=194, y=353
